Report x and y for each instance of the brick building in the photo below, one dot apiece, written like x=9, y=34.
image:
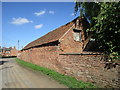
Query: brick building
x=67, y=50
x=70, y=38
x=8, y=51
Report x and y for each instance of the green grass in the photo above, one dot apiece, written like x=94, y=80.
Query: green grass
x=63, y=79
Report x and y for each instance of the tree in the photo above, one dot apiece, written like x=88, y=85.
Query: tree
x=88, y=9
x=105, y=19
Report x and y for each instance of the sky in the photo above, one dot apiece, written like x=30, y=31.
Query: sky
x=28, y=21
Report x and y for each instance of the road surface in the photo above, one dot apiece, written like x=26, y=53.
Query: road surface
x=16, y=76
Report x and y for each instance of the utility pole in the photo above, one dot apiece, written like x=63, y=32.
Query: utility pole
x=18, y=45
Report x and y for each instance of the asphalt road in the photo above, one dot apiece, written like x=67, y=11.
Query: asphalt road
x=12, y=75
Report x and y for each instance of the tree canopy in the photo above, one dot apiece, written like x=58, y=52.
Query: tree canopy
x=104, y=19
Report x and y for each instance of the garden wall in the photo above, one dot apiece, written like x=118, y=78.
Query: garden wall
x=44, y=56
x=89, y=68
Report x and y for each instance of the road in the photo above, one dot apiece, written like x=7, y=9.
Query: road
x=16, y=76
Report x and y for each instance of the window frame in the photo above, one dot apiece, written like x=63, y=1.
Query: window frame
x=78, y=37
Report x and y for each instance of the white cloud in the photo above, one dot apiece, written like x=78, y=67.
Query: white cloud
x=40, y=13
x=38, y=26
x=51, y=12
x=20, y=20
x=72, y=14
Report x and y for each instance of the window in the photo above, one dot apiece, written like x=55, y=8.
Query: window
x=77, y=35
x=7, y=51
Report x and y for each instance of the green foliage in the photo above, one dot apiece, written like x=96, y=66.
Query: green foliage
x=105, y=20
x=88, y=9
x=63, y=79
x=107, y=28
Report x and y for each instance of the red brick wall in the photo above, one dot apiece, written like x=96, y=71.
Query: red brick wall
x=69, y=45
x=13, y=52
x=44, y=56
x=88, y=68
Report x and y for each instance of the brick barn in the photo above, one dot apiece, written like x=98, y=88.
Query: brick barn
x=69, y=50
x=69, y=38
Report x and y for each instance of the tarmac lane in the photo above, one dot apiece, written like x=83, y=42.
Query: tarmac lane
x=12, y=75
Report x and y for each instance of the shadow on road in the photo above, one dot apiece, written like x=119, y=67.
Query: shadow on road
x=2, y=62
x=6, y=67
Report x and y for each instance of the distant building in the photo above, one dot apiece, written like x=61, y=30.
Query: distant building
x=8, y=51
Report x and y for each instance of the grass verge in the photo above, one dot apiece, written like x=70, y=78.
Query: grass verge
x=63, y=79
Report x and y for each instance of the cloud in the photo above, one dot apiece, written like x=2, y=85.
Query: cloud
x=38, y=26
x=72, y=14
x=40, y=13
x=20, y=20
x=51, y=12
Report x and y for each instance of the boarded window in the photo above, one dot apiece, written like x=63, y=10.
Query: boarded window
x=77, y=35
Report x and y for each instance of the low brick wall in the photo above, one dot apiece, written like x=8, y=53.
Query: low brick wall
x=88, y=68
x=45, y=57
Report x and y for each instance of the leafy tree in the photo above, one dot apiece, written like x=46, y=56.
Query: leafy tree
x=88, y=9
x=105, y=19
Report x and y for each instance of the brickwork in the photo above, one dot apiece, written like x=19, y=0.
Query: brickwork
x=90, y=68
x=44, y=56
x=68, y=45
x=9, y=51
x=14, y=52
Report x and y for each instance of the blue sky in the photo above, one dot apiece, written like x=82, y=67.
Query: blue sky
x=27, y=21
